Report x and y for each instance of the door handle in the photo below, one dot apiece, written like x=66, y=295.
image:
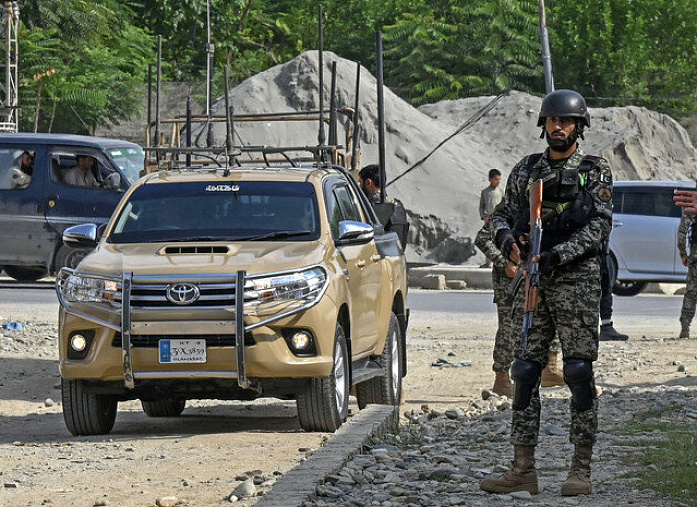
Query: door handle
x=360, y=263
x=375, y=257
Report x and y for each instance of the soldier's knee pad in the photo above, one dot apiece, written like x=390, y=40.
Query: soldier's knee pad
x=578, y=375
x=526, y=375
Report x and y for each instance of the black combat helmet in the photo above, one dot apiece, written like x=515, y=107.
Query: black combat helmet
x=564, y=103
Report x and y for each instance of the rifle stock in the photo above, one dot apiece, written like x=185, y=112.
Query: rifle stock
x=532, y=269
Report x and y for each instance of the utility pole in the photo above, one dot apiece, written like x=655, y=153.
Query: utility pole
x=9, y=107
x=546, y=53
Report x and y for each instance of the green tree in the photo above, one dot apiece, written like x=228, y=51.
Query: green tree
x=81, y=62
x=622, y=52
x=457, y=48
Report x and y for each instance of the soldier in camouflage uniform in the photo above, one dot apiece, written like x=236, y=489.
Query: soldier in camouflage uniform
x=687, y=233
x=577, y=218
x=501, y=273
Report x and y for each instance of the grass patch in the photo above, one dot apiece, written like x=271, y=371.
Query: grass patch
x=669, y=462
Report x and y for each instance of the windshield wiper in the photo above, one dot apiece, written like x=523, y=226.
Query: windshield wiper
x=274, y=235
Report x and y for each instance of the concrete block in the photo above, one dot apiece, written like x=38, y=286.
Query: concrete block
x=456, y=284
x=434, y=282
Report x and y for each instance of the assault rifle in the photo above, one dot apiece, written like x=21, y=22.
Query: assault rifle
x=532, y=269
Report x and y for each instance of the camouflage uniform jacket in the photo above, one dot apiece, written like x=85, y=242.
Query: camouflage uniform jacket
x=485, y=242
x=587, y=238
x=684, y=246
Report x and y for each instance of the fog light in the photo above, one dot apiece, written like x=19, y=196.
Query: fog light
x=301, y=340
x=78, y=342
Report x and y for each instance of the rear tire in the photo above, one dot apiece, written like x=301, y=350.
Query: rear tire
x=87, y=413
x=386, y=390
x=26, y=273
x=163, y=408
x=323, y=406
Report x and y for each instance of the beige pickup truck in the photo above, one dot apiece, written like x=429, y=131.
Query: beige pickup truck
x=235, y=283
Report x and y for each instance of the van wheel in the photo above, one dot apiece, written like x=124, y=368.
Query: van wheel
x=163, y=408
x=26, y=273
x=87, y=413
x=323, y=406
x=69, y=257
x=385, y=390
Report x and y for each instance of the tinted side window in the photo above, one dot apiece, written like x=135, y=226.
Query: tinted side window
x=657, y=204
x=617, y=201
x=348, y=207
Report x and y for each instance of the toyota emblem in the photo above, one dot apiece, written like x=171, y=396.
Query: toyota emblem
x=182, y=293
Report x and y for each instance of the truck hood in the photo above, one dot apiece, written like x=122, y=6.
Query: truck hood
x=166, y=258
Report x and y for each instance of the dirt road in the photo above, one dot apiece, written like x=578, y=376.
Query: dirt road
x=200, y=457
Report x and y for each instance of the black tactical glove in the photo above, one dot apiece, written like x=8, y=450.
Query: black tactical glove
x=505, y=239
x=547, y=261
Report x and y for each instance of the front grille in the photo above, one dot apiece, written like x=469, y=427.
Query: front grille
x=213, y=294
x=212, y=340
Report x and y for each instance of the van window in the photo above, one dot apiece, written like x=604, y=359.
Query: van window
x=63, y=168
x=16, y=168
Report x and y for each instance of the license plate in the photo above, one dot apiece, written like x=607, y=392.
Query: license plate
x=182, y=351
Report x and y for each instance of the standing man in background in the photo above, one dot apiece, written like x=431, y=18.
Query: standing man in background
x=687, y=238
x=490, y=197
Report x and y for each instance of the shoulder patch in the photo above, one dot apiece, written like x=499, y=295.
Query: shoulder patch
x=605, y=194
x=606, y=178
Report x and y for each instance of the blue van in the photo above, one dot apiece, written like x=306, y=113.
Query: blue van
x=49, y=182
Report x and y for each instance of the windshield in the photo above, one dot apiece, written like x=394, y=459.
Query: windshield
x=130, y=160
x=205, y=211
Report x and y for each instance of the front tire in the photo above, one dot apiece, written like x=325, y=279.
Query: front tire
x=628, y=288
x=87, y=413
x=385, y=390
x=163, y=408
x=67, y=257
x=323, y=406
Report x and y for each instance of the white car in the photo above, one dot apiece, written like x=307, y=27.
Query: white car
x=643, y=242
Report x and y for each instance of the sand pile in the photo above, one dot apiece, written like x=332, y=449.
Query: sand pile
x=442, y=195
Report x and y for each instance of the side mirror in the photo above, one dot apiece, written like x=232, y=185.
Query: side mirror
x=351, y=231
x=113, y=181
x=81, y=236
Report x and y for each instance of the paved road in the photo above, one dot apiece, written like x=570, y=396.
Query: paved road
x=475, y=302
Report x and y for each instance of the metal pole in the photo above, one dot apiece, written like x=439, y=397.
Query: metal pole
x=188, y=129
x=157, y=92
x=546, y=53
x=332, y=109
x=228, y=116
x=356, y=121
x=149, y=94
x=321, y=137
x=381, y=115
x=210, y=49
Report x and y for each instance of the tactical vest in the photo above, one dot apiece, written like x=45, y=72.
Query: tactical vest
x=693, y=236
x=566, y=203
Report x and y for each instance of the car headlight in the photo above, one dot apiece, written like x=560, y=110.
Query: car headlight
x=306, y=285
x=86, y=289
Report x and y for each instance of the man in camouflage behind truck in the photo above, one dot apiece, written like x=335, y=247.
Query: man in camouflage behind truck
x=687, y=246
x=577, y=218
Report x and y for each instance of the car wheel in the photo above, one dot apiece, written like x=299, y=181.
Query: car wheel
x=385, y=390
x=87, y=413
x=67, y=257
x=163, y=408
x=26, y=273
x=323, y=406
x=627, y=288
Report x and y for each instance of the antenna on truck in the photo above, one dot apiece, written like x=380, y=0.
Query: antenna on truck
x=381, y=115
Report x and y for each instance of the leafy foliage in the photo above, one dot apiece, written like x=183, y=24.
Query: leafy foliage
x=81, y=63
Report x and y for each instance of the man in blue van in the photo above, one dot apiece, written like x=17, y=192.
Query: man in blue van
x=81, y=175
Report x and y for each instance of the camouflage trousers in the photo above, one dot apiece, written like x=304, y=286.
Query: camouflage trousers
x=689, y=302
x=568, y=308
x=506, y=336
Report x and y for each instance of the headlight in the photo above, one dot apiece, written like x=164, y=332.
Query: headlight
x=303, y=285
x=87, y=289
